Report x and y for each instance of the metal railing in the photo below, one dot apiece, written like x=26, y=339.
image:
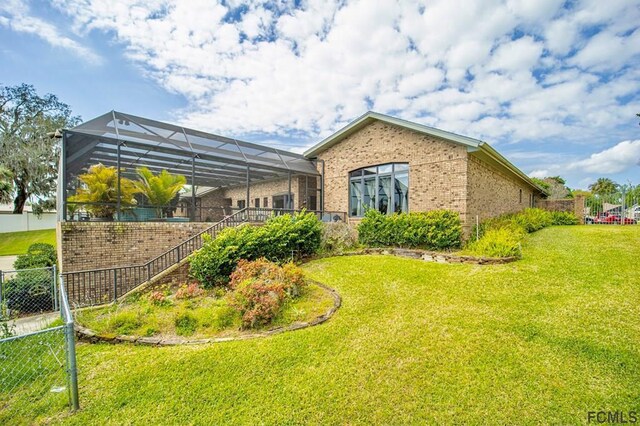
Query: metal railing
x=98, y=286
x=38, y=370
x=85, y=212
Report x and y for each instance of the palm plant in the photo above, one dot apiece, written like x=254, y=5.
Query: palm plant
x=99, y=190
x=160, y=189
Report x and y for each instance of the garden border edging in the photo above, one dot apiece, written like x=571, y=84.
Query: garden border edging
x=87, y=335
x=430, y=256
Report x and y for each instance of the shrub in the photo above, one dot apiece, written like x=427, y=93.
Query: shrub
x=258, y=301
x=189, y=291
x=289, y=275
x=436, y=229
x=280, y=239
x=533, y=219
x=185, y=323
x=499, y=242
x=38, y=255
x=158, y=298
x=260, y=288
x=564, y=218
x=30, y=291
x=338, y=237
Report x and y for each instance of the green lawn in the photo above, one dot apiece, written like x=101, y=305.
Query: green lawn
x=542, y=340
x=19, y=242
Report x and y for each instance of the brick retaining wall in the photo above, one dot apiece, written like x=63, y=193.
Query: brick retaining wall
x=87, y=245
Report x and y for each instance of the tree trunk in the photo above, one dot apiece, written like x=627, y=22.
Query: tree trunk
x=21, y=198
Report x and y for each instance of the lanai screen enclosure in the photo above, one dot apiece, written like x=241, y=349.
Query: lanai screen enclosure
x=127, y=142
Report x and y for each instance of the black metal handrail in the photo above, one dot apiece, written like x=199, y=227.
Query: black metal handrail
x=107, y=284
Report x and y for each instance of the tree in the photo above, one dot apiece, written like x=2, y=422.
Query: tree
x=6, y=186
x=160, y=189
x=29, y=149
x=542, y=184
x=604, y=187
x=99, y=191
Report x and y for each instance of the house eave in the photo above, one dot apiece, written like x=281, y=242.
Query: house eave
x=371, y=117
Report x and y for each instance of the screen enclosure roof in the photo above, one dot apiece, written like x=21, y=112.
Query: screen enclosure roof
x=213, y=160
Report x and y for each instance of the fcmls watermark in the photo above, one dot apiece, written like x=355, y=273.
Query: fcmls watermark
x=613, y=417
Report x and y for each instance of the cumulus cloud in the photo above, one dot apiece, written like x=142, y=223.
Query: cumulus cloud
x=16, y=15
x=616, y=159
x=501, y=70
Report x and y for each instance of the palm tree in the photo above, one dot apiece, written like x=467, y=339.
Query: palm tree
x=604, y=187
x=99, y=191
x=159, y=189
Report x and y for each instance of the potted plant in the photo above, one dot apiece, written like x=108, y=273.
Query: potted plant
x=160, y=189
x=99, y=192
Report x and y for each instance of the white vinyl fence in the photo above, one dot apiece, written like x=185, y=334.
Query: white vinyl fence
x=26, y=221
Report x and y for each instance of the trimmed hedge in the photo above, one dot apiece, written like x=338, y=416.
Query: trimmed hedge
x=280, y=239
x=435, y=230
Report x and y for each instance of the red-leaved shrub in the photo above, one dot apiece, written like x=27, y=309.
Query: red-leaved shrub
x=260, y=288
x=189, y=291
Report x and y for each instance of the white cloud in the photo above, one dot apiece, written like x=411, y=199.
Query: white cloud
x=619, y=158
x=15, y=14
x=500, y=70
x=540, y=173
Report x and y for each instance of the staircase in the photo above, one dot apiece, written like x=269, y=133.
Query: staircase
x=99, y=286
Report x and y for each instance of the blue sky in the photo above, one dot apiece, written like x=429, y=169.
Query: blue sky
x=553, y=85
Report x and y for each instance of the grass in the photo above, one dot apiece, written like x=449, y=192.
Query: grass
x=12, y=243
x=205, y=316
x=542, y=340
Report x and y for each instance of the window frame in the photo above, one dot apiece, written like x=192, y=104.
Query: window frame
x=359, y=176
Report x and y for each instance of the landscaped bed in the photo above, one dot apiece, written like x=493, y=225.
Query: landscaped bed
x=546, y=339
x=190, y=313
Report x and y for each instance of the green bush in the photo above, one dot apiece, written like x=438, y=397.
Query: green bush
x=38, y=255
x=532, y=220
x=30, y=291
x=564, y=218
x=499, y=242
x=436, y=229
x=337, y=237
x=280, y=239
x=501, y=236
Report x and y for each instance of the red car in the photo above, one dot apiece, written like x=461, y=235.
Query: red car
x=613, y=219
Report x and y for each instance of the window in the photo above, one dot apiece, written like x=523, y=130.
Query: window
x=384, y=187
x=256, y=202
x=520, y=196
x=265, y=202
x=242, y=204
x=282, y=202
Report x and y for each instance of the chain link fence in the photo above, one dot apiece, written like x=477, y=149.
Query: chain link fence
x=38, y=376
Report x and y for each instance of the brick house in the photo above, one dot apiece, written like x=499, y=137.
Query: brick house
x=377, y=162
x=393, y=165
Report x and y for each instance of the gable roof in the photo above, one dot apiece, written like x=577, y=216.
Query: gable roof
x=472, y=145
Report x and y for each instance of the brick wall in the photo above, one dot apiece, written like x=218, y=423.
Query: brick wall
x=261, y=190
x=87, y=245
x=572, y=205
x=493, y=192
x=437, y=168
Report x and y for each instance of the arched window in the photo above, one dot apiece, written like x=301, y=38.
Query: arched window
x=384, y=187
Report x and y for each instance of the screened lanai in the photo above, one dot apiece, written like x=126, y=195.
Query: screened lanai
x=207, y=161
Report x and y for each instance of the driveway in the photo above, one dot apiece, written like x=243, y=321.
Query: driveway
x=6, y=262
